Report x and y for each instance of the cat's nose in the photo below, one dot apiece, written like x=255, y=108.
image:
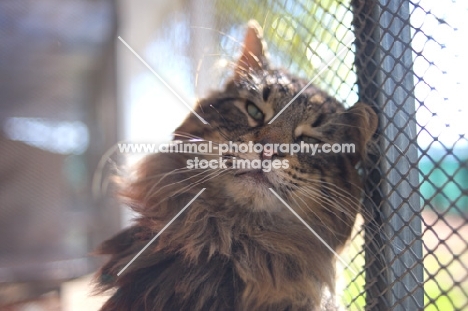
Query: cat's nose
x=270, y=149
x=272, y=136
x=266, y=154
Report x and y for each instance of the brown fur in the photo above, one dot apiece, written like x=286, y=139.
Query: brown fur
x=237, y=247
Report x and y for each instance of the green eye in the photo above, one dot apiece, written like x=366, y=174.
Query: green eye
x=254, y=112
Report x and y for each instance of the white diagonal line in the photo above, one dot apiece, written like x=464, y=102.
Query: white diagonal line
x=163, y=82
x=162, y=230
x=310, y=82
x=313, y=231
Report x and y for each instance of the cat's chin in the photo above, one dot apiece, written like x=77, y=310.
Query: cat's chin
x=251, y=188
x=257, y=177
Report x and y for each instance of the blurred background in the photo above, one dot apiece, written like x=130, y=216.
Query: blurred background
x=70, y=89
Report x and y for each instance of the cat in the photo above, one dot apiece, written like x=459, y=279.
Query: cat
x=237, y=247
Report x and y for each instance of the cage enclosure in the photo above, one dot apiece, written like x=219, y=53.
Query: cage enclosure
x=404, y=58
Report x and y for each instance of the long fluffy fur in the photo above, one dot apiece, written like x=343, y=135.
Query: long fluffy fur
x=236, y=247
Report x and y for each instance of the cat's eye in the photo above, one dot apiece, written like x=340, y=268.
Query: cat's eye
x=254, y=111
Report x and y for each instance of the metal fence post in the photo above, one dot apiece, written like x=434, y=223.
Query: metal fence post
x=394, y=268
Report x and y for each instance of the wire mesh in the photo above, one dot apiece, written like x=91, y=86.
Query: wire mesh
x=403, y=58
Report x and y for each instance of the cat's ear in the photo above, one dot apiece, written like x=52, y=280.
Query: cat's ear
x=366, y=120
x=254, y=50
x=363, y=122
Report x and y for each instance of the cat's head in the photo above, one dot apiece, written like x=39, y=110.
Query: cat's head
x=257, y=106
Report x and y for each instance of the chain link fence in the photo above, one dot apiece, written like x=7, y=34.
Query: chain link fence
x=405, y=59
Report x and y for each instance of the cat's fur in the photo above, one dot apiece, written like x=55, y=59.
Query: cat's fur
x=237, y=247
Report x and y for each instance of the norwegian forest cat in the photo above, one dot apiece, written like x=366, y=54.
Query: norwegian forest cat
x=237, y=247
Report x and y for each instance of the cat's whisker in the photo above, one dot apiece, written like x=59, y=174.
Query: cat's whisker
x=150, y=192
x=288, y=194
x=222, y=117
x=356, y=206
x=185, y=188
x=216, y=174
x=311, y=210
x=199, y=140
x=343, y=197
x=355, y=227
x=336, y=190
x=348, y=125
x=190, y=136
x=224, y=135
x=342, y=193
x=339, y=194
x=212, y=175
x=173, y=172
x=316, y=195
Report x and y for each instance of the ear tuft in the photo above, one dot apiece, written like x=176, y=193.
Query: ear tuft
x=254, y=50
